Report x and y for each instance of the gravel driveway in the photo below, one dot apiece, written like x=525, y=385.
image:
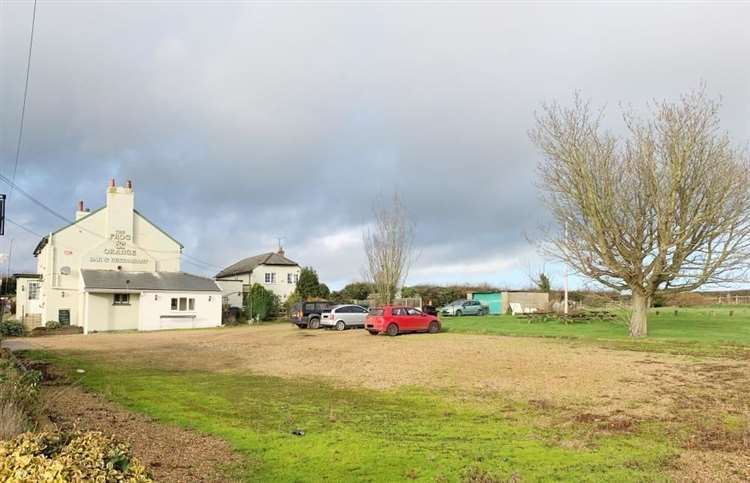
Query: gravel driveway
x=527, y=369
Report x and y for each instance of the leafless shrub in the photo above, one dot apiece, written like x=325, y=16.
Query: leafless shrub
x=389, y=247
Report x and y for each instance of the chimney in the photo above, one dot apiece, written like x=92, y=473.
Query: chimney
x=120, y=206
x=82, y=211
x=280, y=251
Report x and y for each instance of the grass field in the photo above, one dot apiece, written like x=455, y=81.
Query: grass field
x=678, y=418
x=704, y=330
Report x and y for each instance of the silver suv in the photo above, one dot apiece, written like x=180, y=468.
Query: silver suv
x=464, y=307
x=344, y=316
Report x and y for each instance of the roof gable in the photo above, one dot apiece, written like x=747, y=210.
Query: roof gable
x=43, y=242
x=249, y=264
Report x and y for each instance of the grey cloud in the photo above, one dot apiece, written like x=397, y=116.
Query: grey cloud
x=240, y=123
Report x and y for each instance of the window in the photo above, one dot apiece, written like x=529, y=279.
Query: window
x=183, y=304
x=289, y=278
x=33, y=290
x=121, y=299
x=376, y=312
x=411, y=311
x=296, y=277
x=270, y=277
x=398, y=311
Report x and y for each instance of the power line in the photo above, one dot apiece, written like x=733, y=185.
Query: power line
x=13, y=186
x=23, y=227
x=25, y=95
x=67, y=220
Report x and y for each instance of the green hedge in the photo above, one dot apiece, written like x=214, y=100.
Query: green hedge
x=10, y=328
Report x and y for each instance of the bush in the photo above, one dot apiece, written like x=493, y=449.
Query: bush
x=77, y=456
x=10, y=328
x=52, y=324
x=261, y=303
x=12, y=420
x=19, y=397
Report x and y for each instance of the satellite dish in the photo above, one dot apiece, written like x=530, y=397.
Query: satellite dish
x=65, y=270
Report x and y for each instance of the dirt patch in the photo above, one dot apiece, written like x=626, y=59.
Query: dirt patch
x=170, y=453
x=711, y=466
x=610, y=423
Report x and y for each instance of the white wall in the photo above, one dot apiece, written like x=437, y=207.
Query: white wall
x=24, y=306
x=281, y=288
x=232, y=291
x=112, y=238
x=156, y=312
x=103, y=315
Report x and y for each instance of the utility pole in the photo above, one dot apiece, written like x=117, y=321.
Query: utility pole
x=566, y=273
x=3, y=283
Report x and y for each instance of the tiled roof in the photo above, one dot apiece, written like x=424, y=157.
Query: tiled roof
x=247, y=265
x=170, y=281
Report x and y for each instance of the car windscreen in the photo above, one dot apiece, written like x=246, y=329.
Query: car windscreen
x=376, y=312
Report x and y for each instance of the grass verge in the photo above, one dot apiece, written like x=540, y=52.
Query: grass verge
x=357, y=434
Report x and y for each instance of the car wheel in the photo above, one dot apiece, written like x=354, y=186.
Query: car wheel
x=373, y=332
x=392, y=329
x=459, y=313
x=434, y=327
x=340, y=325
x=314, y=324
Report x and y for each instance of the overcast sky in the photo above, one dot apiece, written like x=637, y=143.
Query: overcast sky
x=240, y=123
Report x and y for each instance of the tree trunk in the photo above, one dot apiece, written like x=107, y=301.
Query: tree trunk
x=639, y=317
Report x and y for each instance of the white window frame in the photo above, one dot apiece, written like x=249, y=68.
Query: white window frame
x=182, y=304
x=270, y=277
x=34, y=294
x=124, y=299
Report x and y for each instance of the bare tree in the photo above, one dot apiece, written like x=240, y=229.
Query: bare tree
x=664, y=209
x=389, y=248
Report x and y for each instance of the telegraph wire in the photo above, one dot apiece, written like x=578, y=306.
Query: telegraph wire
x=23, y=227
x=25, y=96
x=64, y=218
x=13, y=186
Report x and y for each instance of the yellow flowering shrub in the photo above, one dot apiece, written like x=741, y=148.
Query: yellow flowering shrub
x=68, y=457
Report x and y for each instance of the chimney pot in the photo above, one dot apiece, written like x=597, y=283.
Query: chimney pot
x=80, y=205
x=112, y=183
x=129, y=184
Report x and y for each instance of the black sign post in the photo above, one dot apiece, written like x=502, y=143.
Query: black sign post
x=2, y=214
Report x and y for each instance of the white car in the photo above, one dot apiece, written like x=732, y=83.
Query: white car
x=344, y=316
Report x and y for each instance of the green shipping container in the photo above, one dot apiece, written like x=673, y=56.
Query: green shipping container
x=493, y=300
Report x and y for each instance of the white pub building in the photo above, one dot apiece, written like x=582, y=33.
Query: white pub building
x=113, y=269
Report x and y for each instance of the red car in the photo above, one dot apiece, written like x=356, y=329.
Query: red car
x=395, y=320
